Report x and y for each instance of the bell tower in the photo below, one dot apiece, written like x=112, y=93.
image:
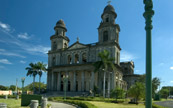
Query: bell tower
x=59, y=40
x=108, y=30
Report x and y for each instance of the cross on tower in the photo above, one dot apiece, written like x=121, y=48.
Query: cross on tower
x=109, y=2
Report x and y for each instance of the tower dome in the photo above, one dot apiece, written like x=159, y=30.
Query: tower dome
x=109, y=9
x=60, y=24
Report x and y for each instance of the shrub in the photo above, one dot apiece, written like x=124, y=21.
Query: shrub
x=10, y=96
x=78, y=102
x=26, y=99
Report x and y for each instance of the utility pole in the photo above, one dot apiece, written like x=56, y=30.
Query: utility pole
x=148, y=14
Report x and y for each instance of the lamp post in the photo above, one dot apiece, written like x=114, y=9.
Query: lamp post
x=65, y=78
x=148, y=18
x=23, y=80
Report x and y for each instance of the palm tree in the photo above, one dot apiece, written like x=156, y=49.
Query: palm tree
x=32, y=72
x=105, y=64
x=40, y=67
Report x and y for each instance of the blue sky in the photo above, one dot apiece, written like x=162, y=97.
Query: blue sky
x=26, y=27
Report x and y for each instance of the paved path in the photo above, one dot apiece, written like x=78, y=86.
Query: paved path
x=60, y=105
x=168, y=104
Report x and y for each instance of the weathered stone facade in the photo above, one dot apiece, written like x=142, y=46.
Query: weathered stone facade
x=128, y=73
x=77, y=60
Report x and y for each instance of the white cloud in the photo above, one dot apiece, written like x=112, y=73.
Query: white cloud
x=23, y=35
x=171, y=68
x=5, y=61
x=22, y=61
x=4, y=52
x=39, y=49
x=126, y=56
x=171, y=81
x=5, y=27
x=138, y=70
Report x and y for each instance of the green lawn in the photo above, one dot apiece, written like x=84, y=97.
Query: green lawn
x=113, y=105
x=12, y=103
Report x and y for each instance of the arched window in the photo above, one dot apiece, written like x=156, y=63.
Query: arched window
x=84, y=58
x=57, y=32
x=76, y=58
x=105, y=36
x=69, y=59
x=53, y=61
x=65, y=45
x=107, y=19
x=54, y=45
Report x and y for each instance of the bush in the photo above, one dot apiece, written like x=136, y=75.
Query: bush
x=157, y=97
x=78, y=102
x=10, y=96
x=26, y=99
x=101, y=99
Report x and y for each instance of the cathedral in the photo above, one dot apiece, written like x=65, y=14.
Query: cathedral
x=73, y=64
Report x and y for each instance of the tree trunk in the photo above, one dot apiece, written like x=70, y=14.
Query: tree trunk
x=104, y=84
x=34, y=84
x=108, y=84
x=39, y=83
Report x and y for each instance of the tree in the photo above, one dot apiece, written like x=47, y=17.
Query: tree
x=155, y=83
x=12, y=87
x=31, y=71
x=118, y=93
x=38, y=86
x=40, y=68
x=105, y=64
x=164, y=92
x=3, y=87
x=137, y=91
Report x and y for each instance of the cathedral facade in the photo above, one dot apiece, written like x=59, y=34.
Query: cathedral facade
x=75, y=62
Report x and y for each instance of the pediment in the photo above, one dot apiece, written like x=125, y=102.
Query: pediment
x=76, y=46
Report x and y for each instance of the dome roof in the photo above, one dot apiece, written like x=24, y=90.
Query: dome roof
x=109, y=8
x=60, y=23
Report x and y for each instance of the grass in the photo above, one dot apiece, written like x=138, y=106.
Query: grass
x=113, y=105
x=12, y=103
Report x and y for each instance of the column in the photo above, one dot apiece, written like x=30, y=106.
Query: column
x=52, y=85
x=92, y=80
x=66, y=73
x=59, y=81
x=74, y=81
x=82, y=82
x=47, y=80
x=113, y=80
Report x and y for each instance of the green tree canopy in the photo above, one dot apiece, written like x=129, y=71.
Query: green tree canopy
x=118, y=93
x=155, y=83
x=137, y=91
x=3, y=87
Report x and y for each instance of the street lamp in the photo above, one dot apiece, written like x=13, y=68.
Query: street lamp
x=65, y=78
x=148, y=17
x=23, y=80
